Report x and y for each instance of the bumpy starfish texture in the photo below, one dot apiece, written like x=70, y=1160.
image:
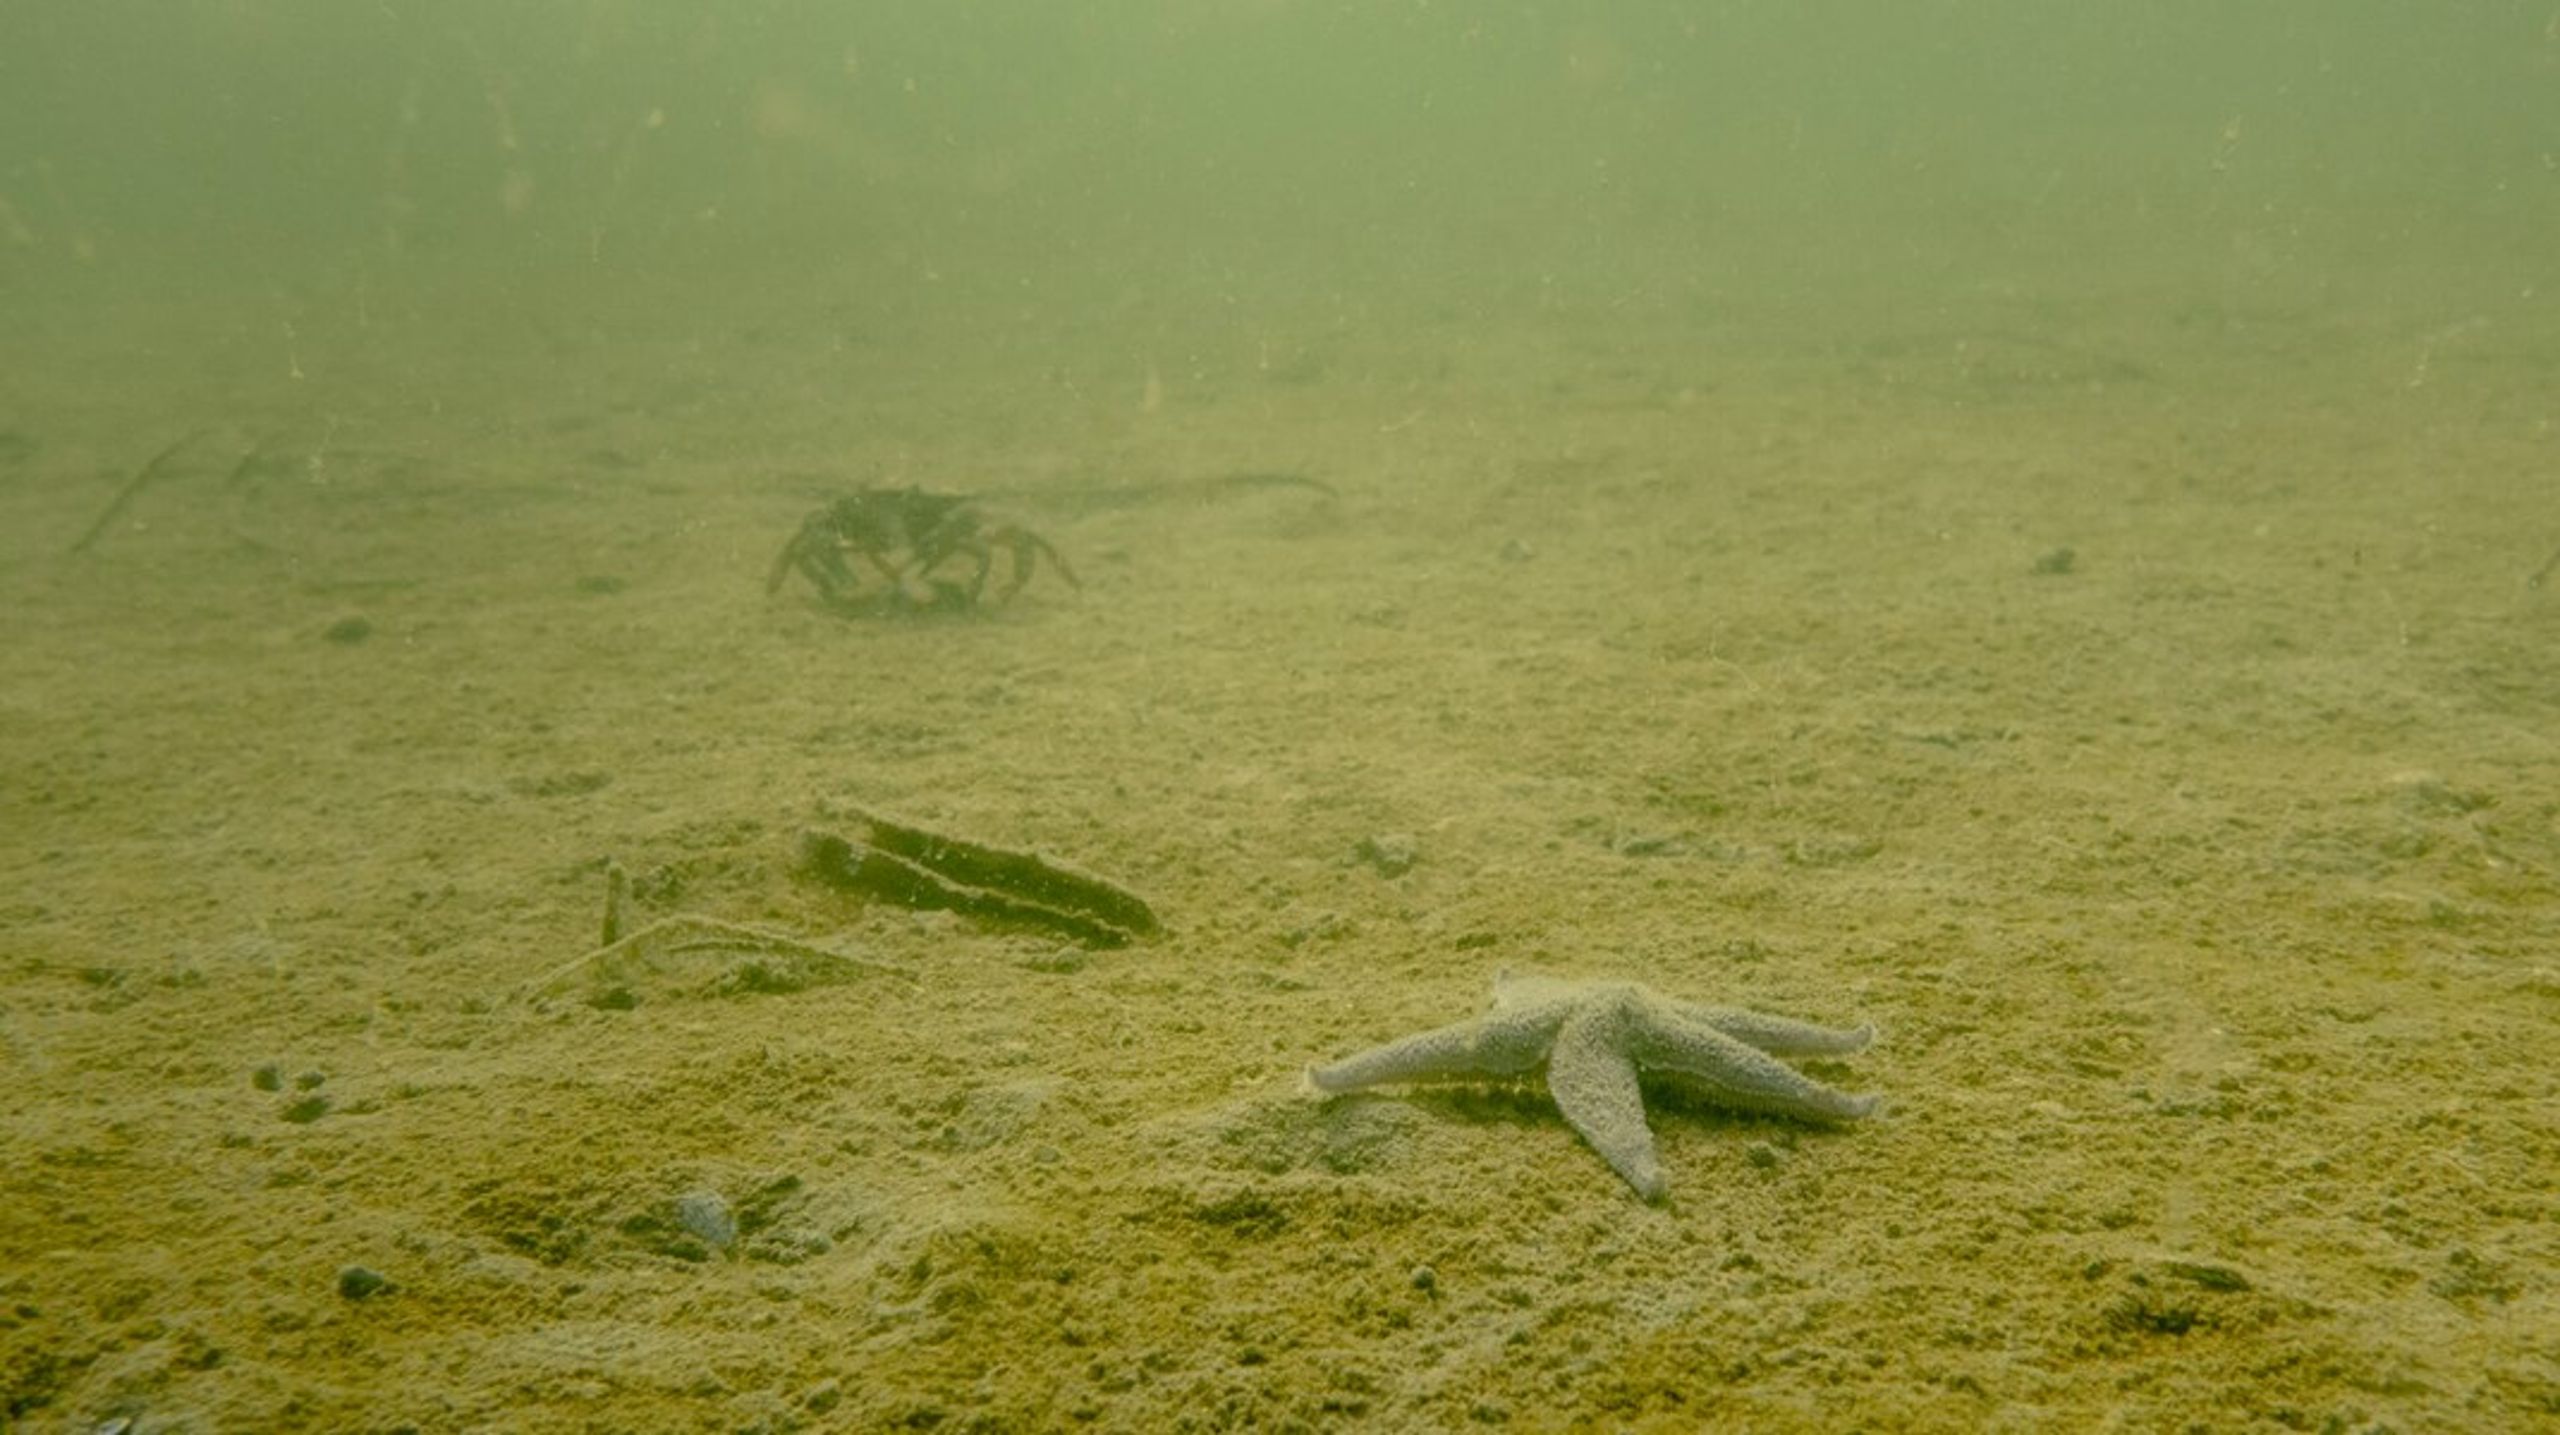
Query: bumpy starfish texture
x=1596, y=1039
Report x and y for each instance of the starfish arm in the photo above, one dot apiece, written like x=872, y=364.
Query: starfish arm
x=1489, y=1046
x=1775, y=1034
x=1595, y=1085
x=1735, y=1073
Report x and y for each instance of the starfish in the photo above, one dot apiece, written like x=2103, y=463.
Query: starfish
x=1596, y=1039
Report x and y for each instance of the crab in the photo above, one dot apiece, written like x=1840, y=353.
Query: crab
x=905, y=537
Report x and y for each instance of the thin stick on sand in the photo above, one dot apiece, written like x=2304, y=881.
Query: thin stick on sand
x=688, y=945
x=132, y=487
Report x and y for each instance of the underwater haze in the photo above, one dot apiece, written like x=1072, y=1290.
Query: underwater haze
x=709, y=709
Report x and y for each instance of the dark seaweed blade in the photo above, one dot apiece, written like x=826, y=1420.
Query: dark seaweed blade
x=872, y=872
x=1018, y=873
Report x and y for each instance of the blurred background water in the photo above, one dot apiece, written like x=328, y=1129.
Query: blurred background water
x=303, y=154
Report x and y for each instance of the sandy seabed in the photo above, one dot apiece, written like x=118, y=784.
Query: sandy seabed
x=2142, y=713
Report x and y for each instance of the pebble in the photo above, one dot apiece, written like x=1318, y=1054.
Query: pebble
x=1389, y=854
x=351, y=629
x=708, y=1218
x=361, y=1282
